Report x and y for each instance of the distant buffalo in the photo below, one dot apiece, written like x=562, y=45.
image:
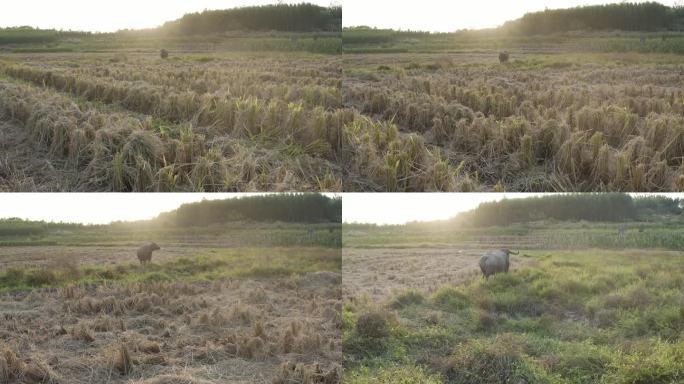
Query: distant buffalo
x=503, y=57
x=164, y=54
x=145, y=252
x=495, y=261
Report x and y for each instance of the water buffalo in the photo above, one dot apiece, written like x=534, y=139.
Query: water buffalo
x=495, y=261
x=145, y=252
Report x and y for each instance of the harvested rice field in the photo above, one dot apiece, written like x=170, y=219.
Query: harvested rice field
x=193, y=122
x=554, y=121
x=207, y=313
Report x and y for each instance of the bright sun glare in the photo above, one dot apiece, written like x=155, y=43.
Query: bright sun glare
x=400, y=208
x=97, y=208
x=109, y=16
x=448, y=15
x=101, y=208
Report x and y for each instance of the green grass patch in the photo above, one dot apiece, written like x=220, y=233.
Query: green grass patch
x=209, y=264
x=567, y=317
x=391, y=375
x=547, y=234
x=242, y=234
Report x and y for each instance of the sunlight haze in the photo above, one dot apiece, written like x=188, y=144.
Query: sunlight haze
x=400, y=208
x=110, y=16
x=448, y=15
x=98, y=208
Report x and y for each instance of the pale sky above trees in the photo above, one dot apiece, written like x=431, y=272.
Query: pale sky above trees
x=399, y=208
x=449, y=15
x=96, y=208
x=101, y=208
x=109, y=16
x=429, y=15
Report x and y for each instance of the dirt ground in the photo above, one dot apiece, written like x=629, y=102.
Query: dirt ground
x=24, y=167
x=381, y=273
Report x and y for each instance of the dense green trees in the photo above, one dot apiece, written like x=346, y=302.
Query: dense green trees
x=280, y=17
x=302, y=17
x=613, y=207
x=29, y=35
x=648, y=16
x=657, y=205
x=291, y=208
x=308, y=208
x=19, y=227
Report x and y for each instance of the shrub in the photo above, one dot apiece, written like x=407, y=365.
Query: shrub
x=485, y=320
x=580, y=362
x=391, y=374
x=658, y=363
x=156, y=276
x=14, y=276
x=373, y=325
x=123, y=362
x=500, y=360
x=40, y=277
x=450, y=299
x=410, y=297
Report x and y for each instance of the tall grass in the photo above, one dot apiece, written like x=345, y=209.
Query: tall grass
x=572, y=317
x=208, y=264
x=521, y=127
x=242, y=136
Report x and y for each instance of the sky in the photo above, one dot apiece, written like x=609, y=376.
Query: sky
x=400, y=208
x=99, y=208
x=110, y=16
x=448, y=15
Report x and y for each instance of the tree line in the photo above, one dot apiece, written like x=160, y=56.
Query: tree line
x=292, y=208
x=303, y=17
x=597, y=207
x=11, y=227
x=648, y=16
x=30, y=35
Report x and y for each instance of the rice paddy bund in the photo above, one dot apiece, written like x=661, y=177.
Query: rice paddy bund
x=136, y=122
x=559, y=121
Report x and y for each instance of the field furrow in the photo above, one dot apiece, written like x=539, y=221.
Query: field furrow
x=122, y=135
x=539, y=123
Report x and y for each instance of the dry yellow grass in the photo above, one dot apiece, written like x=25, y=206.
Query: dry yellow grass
x=551, y=123
x=138, y=331
x=147, y=328
x=143, y=125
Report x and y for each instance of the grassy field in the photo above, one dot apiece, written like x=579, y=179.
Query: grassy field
x=576, y=315
x=665, y=234
x=566, y=113
x=212, y=307
x=212, y=120
x=391, y=41
x=239, y=234
x=51, y=41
